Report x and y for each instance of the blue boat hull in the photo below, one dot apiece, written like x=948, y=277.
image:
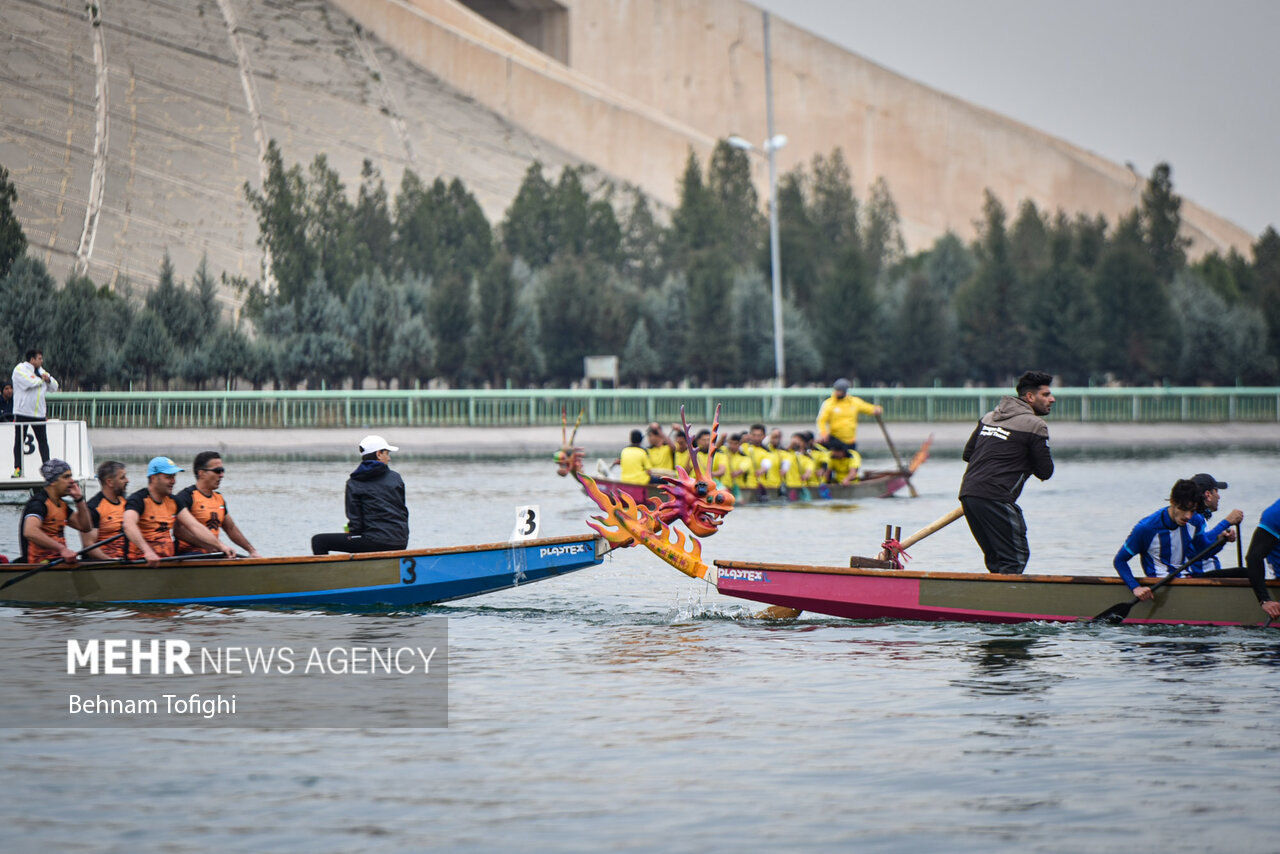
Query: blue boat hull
x=379, y=579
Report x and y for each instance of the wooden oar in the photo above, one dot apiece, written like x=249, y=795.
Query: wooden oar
x=1118, y=613
x=931, y=528
x=1239, y=548
x=57, y=561
x=896, y=459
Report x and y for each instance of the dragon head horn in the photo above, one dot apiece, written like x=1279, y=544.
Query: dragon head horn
x=688, y=438
x=711, y=446
x=567, y=438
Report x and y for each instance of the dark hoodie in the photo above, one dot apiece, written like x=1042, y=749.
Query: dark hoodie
x=376, y=510
x=1009, y=444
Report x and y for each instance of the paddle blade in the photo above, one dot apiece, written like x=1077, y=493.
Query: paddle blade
x=1116, y=613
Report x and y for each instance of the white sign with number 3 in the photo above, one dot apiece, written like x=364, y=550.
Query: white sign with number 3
x=528, y=521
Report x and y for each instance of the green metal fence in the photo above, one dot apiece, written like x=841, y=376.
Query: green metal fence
x=632, y=406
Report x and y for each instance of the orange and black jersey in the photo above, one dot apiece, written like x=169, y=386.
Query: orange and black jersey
x=155, y=520
x=108, y=517
x=53, y=515
x=208, y=510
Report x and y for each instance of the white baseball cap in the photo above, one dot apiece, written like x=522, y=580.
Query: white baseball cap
x=373, y=444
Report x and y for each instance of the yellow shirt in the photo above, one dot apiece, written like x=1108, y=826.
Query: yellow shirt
x=660, y=457
x=821, y=457
x=704, y=462
x=840, y=468
x=749, y=457
x=838, y=417
x=682, y=459
x=773, y=477
x=794, y=478
x=635, y=465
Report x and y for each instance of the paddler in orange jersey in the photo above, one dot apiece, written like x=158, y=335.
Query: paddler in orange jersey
x=106, y=511
x=46, y=516
x=208, y=507
x=152, y=514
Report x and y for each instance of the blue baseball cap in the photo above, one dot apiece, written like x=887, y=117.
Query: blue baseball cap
x=162, y=465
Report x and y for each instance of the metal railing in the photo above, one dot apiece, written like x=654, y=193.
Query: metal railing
x=533, y=407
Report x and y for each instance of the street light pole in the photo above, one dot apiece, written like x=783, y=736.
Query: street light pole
x=775, y=258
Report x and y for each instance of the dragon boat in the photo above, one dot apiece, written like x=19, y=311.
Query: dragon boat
x=375, y=579
x=881, y=588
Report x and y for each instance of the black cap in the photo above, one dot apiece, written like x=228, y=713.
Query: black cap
x=1207, y=481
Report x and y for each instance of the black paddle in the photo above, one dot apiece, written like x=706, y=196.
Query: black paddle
x=1117, y=613
x=42, y=567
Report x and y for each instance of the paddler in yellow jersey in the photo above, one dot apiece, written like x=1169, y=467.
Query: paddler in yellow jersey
x=738, y=473
x=681, y=448
x=838, y=416
x=761, y=461
x=772, y=479
x=817, y=456
x=843, y=465
x=661, y=450
x=634, y=461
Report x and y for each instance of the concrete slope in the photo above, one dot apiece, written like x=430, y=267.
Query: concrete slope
x=132, y=128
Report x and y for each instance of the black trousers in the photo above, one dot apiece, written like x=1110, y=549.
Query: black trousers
x=322, y=544
x=1001, y=533
x=19, y=430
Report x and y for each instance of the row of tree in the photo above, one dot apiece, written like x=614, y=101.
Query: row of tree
x=421, y=287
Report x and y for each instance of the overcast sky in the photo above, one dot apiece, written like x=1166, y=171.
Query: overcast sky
x=1189, y=82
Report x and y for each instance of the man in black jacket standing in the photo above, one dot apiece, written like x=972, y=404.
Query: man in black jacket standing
x=377, y=516
x=1010, y=444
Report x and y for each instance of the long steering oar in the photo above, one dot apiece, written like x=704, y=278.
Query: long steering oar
x=896, y=459
x=42, y=567
x=1117, y=613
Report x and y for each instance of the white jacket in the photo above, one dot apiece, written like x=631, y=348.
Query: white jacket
x=29, y=388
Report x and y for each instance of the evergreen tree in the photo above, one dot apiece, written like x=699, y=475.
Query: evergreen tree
x=1264, y=289
x=373, y=225
x=1063, y=315
x=148, y=347
x=993, y=311
x=228, y=355
x=798, y=241
x=75, y=339
x=494, y=344
x=320, y=347
x=1135, y=323
x=923, y=347
x=1029, y=244
x=640, y=362
x=730, y=186
x=374, y=310
x=751, y=325
x=640, y=242
x=527, y=229
x=13, y=241
x=882, y=237
x=331, y=231
x=205, y=288
x=449, y=320
x=282, y=224
x=28, y=301
x=568, y=333
x=178, y=308
x=411, y=352
x=1161, y=221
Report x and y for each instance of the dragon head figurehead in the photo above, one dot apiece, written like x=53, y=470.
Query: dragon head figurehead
x=568, y=458
x=694, y=498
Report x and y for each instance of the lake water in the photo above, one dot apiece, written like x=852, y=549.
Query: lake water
x=630, y=708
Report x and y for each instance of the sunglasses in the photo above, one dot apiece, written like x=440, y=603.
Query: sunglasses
x=218, y=470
